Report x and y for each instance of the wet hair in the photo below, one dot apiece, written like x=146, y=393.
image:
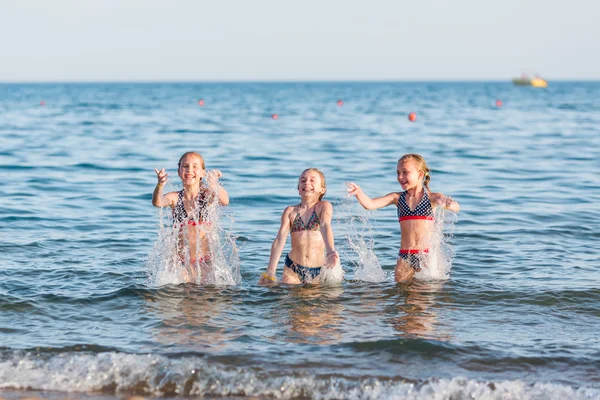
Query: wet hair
x=323, y=182
x=421, y=166
x=191, y=153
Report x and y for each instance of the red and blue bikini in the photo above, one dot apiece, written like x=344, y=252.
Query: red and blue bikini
x=423, y=211
x=181, y=219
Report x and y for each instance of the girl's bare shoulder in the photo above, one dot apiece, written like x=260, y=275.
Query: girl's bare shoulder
x=289, y=210
x=324, y=206
x=436, y=197
x=172, y=198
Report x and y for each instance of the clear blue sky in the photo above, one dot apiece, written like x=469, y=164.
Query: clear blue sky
x=273, y=40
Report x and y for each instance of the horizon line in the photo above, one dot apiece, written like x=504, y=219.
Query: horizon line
x=226, y=81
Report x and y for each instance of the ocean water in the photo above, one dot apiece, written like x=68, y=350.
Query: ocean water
x=513, y=314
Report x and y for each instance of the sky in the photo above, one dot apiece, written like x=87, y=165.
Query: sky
x=309, y=40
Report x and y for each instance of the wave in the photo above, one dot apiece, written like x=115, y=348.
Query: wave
x=92, y=370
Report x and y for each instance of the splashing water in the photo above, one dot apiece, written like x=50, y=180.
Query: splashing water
x=438, y=261
x=359, y=239
x=332, y=276
x=173, y=257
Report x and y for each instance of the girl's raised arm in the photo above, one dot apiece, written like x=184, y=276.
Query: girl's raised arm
x=369, y=203
x=213, y=180
x=158, y=199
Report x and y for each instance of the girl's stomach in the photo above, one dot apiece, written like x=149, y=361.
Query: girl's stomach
x=308, y=249
x=416, y=234
x=193, y=243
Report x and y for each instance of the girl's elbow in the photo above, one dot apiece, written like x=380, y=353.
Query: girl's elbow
x=277, y=246
x=224, y=198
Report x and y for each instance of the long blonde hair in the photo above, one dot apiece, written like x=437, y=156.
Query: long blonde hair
x=421, y=166
x=323, y=181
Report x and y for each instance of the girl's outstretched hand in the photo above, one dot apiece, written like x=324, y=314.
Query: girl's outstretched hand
x=212, y=177
x=162, y=176
x=447, y=202
x=353, y=189
x=332, y=259
x=444, y=201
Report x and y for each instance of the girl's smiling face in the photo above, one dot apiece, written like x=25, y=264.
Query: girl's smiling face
x=190, y=170
x=409, y=177
x=310, y=183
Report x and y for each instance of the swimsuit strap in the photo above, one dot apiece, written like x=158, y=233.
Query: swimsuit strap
x=179, y=213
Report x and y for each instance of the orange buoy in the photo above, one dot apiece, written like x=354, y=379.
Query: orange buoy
x=43, y=103
x=275, y=116
x=201, y=102
x=498, y=103
x=412, y=117
x=340, y=103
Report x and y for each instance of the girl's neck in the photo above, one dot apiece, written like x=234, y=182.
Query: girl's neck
x=308, y=203
x=191, y=191
x=414, y=192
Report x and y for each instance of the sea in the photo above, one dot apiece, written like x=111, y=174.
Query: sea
x=510, y=309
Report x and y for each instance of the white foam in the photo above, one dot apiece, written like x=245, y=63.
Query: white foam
x=438, y=261
x=155, y=375
x=332, y=276
x=359, y=243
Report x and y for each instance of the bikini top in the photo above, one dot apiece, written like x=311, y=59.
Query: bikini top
x=180, y=215
x=312, y=224
x=423, y=210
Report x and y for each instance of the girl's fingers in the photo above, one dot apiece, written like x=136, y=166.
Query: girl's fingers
x=162, y=176
x=353, y=188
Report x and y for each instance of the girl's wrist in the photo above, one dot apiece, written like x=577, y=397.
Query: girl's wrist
x=268, y=276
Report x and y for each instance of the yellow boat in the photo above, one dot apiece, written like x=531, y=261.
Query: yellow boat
x=539, y=82
x=524, y=80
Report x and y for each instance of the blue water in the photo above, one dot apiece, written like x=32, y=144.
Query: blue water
x=518, y=317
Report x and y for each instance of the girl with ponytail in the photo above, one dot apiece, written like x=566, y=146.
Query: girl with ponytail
x=415, y=206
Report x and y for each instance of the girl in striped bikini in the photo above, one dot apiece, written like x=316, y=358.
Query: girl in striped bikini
x=312, y=241
x=189, y=207
x=415, y=212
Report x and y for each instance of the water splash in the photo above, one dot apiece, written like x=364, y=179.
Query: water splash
x=438, y=261
x=359, y=242
x=332, y=276
x=173, y=257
